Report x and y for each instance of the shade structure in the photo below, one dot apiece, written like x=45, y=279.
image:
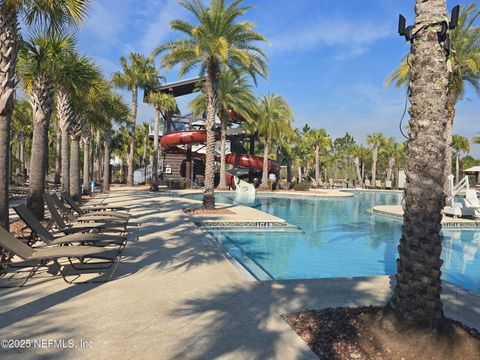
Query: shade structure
x=475, y=169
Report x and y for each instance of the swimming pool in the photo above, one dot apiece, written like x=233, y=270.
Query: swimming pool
x=338, y=237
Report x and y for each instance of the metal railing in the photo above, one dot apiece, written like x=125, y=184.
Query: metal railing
x=145, y=173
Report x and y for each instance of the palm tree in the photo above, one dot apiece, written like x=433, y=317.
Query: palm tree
x=87, y=137
x=273, y=120
x=74, y=76
x=57, y=14
x=459, y=144
x=465, y=60
x=136, y=74
x=39, y=61
x=375, y=140
x=416, y=295
x=306, y=149
x=119, y=146
x=76, y=130
x=476, y=140
x=320, y=141
x=218, y=42
x=360, y=154
x=109, y=108
x=234, y=97
x=164, y=105
x=287, y=151
x=22, y=128
x=393, y=151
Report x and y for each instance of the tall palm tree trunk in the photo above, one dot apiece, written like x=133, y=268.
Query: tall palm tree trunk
x=144, y=156
x=106, y=167
x=223, y=140
x=449, y=133
x=131, y=152
x=154, y=183
x=21, y=141
x=374, y=166
x=289, y=170
x=65, y=178
x=9, y=41
x=18, y=170
x=390, y=166
x=75, y=192
x=64, y=112
x=58, y=157
x=417, y=293
x=264, y=184
x=356, y=160
x=42, y=103
x=317, y=165
x=457, y=166
x=96, y=158
x=86, y=165
x=211, y=84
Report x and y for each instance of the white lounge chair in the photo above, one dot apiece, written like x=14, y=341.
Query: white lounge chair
x=464, y=206
x=367, y=184
x=388, y=184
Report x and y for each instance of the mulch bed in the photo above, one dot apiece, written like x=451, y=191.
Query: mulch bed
x=201, y=211
x=359, y=333
x=17, y=226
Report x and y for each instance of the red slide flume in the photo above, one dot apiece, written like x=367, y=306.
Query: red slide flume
x=200, y=136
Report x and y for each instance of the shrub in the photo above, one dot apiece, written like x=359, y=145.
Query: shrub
x=301, y=187
x=178, y=184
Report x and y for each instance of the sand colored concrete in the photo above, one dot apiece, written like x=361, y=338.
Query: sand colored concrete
x=177, y=296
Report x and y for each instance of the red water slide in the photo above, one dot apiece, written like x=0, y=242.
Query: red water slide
x=200, y=136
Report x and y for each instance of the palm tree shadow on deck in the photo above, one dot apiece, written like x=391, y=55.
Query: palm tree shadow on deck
x=247, y=319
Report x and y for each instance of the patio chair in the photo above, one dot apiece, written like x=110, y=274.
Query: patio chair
x=331, y=183
x=104, y=217
x=388, y=184
x=378, y=184
x=60, y=239
x=71, y=228
x=367, y=184
x=83, y=211
x=36, y=258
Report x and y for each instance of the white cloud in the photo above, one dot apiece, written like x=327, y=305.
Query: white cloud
x=158, y=29
x=105, y=24
x=348, y=39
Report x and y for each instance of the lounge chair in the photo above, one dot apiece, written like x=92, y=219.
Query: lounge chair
x=367, y=184
x=104, y=217
x=41, y=257
x=95, y=212
x=97, y=206
x=388, y=184
x=79, y=227
x=60, y=239
x=378, y=184
x=331, y=183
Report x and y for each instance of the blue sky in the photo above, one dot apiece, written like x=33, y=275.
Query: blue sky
x=328, y=58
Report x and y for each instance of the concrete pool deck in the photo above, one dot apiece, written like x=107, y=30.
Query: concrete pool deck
x=176, y=295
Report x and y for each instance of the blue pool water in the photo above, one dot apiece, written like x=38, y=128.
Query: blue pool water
x=338, y=237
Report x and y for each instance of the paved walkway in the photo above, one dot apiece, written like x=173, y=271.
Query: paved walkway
x=177, y=296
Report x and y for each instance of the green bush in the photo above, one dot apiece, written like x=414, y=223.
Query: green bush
x=301, y=187
x=178, y=184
